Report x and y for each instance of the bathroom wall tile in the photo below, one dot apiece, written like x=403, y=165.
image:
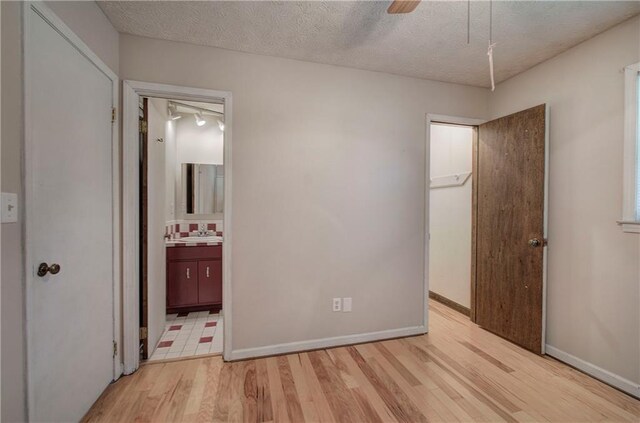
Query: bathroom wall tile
x=179, y=229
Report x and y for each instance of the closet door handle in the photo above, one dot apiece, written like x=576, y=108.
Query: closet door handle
x=534, y=242
x=207, y=271
x=188, y=273
x=54, y=269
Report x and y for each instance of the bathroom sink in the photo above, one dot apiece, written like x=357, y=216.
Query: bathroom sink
x=209, y=238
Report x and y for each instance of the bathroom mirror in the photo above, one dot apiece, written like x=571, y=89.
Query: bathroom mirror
x=202, y=189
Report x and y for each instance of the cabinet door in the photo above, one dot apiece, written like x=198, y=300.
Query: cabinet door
x=210, y=281
x=182, y=286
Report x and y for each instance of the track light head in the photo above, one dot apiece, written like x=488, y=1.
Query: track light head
x=199, y=120
x=173, y=112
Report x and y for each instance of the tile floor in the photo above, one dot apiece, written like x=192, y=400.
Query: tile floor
x=188, y=335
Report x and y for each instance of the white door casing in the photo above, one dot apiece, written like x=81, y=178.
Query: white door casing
x=131, y=92
x=71, y=203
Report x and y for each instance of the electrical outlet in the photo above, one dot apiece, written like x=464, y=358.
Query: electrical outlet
x=337, y=304
x=346, y=304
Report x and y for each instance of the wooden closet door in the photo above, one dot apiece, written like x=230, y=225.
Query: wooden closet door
x=510, y=227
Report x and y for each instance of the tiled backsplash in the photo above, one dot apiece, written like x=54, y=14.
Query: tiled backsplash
x=177, y=229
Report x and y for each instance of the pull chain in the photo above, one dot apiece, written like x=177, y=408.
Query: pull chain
x=490, y=21
x=468, y=21
x=491, y=45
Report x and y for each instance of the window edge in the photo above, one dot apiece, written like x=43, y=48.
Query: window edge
x=630, y=221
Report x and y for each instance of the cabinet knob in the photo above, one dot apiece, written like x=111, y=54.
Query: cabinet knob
x=207, y=271
x=188, y=273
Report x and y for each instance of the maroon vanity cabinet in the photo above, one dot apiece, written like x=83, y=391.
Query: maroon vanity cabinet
x=182, y=283
x=194, y=278
x=210, y=281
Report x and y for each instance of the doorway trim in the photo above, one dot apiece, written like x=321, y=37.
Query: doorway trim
x=131, y=91
x=58, y=25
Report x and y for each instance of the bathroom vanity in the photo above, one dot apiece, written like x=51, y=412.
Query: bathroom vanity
x=194, y=241
x=194, y=278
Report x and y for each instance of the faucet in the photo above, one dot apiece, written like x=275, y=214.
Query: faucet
x=203, y=230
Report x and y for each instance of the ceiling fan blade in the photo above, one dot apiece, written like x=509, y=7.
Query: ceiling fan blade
x=402, y=6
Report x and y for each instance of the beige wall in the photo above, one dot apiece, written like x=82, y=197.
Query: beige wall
x=199, y=144
x=195, y=144
x=594, y=267
x=88, y=22
x=328, y=186
x=333, y=160
x=170, y=152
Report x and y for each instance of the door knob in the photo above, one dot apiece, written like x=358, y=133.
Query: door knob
x=534, y=242
x=44, y=268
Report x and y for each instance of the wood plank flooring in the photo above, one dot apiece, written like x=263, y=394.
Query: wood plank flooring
x=458, y=372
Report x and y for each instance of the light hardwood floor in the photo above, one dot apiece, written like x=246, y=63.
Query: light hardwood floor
x=458, y=372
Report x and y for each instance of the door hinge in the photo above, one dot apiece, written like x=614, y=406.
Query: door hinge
x=115, y=348
x=144, y=127
x=143, y=333
x=113, y=114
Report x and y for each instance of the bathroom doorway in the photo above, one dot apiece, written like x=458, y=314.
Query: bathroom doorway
x=176, y=222
x=181, y=231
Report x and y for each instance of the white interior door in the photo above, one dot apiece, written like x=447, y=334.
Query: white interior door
x=156, y=221
x=69, y=203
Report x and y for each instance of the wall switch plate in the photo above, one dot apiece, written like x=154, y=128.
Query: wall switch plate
x=9, y=207
x=337, y=304
x=346, y=304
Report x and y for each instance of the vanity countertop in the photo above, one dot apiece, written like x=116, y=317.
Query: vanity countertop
x=194, y=241
x=174, y=243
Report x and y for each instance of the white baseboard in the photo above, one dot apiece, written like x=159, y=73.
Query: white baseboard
x=599, y=373
x=315, y=344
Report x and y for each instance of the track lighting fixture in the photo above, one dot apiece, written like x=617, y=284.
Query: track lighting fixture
x=173, y=112
x=199, y=120
x=221, y=125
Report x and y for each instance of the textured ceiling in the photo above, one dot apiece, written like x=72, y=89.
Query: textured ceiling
x=430, y=43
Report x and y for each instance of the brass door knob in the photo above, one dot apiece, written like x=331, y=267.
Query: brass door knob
x=534, y=242
x=44, y=268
